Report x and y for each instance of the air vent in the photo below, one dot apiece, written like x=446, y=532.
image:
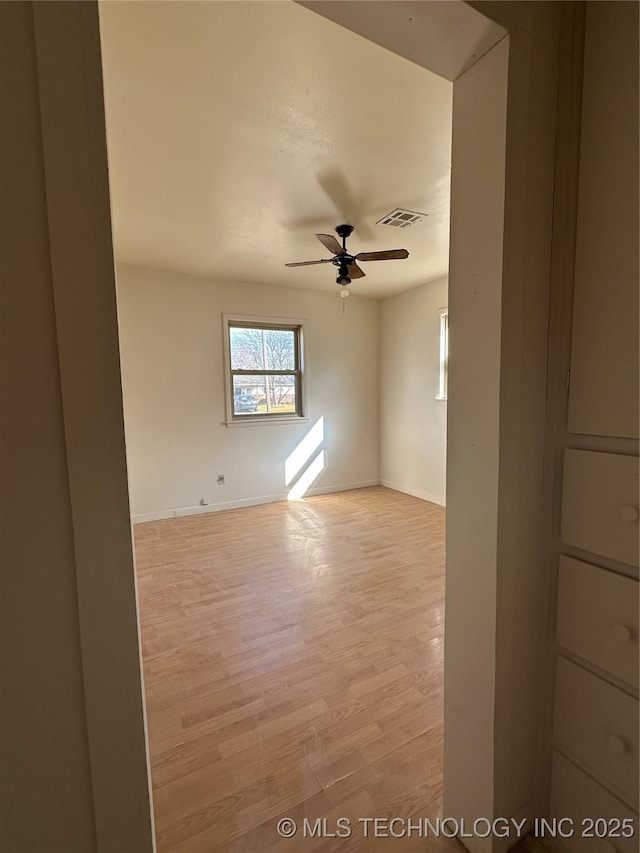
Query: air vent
x=402, y=218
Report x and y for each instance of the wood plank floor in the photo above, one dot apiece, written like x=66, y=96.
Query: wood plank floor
x=293, y=661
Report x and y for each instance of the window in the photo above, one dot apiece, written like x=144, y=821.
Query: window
x=443, y=369
x=264, y=369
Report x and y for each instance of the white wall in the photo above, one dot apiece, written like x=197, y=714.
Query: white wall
x=44, y=717
x=501, y=237
x=475, y=294
x=73, y=741
x=173, y=381
x=413, y=424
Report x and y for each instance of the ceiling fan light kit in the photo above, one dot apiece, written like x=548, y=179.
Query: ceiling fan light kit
x=346, y=263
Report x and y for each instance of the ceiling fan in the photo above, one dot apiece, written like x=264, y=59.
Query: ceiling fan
x=346, y=263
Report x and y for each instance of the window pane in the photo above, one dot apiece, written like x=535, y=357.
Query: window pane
x=247, y=352
x=247, y=392
x=279, y=347
x=257, y=394
x=444, y=356
x=266, y=349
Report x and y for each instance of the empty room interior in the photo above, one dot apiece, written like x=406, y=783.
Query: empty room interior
x=320, y=399
x=289, y=526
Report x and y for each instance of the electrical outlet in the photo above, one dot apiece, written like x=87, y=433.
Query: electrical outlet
x=222, y=480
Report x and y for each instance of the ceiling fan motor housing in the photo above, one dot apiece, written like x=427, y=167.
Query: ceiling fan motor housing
x=344, y=231
x=342, y=263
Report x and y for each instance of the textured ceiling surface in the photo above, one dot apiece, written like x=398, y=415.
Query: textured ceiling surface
x=237, y=130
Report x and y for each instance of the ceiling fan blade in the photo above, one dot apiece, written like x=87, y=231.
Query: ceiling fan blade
x=388, y=255
x=355, y=271
x=334, y=183
x=308, y=263
x=365, y=233
x=330, y=243
x=352, y=207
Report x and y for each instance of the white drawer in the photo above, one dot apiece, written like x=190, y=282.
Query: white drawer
x=598, y=725
x=600, y=504
x=598, y=617
x=577, y=796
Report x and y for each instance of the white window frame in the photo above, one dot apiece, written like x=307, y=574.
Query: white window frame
x=442, y=392
x=257, y=322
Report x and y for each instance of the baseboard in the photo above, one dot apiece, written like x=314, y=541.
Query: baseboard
x=153, y=516
x=346, y=487
x=180, y=512
x=239, y=504
x=414, y=494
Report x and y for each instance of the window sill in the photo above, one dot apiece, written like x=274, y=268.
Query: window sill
x=266, y=421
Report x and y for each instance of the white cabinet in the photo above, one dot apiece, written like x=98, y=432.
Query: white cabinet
x=597, y=617
x=578, y=797
x=598, y=724
x=600, y=504
x=594, y=773
x=604, y=351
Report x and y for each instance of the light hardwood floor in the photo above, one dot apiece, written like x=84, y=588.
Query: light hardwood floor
x=293, y=661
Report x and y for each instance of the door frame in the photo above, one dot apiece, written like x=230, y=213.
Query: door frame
x=501, y=639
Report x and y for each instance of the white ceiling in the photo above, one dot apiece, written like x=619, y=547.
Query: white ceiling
x=237, y=130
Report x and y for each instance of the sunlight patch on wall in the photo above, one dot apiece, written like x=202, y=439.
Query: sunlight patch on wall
x=302, y=485
x=300, y=456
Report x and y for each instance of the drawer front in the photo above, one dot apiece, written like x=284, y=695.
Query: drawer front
x=600, y=504
x=598, y=617
x=598, y=725
x=577, y=796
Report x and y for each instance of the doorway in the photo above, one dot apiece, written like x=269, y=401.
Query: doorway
x=97, y=680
